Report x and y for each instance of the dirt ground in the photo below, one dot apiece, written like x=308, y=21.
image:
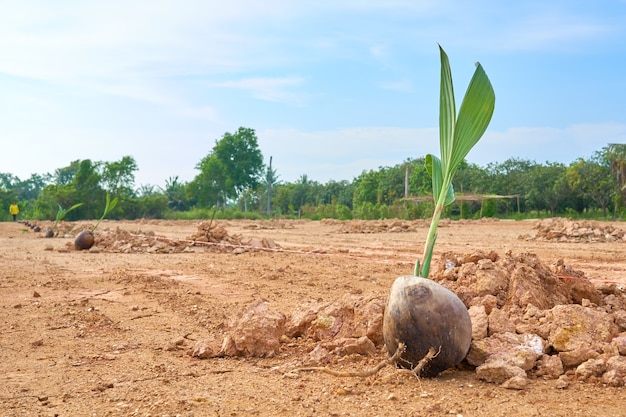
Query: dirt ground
x=99, y=333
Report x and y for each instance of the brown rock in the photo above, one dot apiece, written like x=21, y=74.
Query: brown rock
x=620, y=343
x=205, y=349
x=516, y=382
x=351, y=346
x=480, y=322
x=500, y=322
x=498, y=371
x=319, y=356
x=257, y=331
x=573, y=326
x=592, y=367
x=615, y=374
x=573, y=358
x=549, y=367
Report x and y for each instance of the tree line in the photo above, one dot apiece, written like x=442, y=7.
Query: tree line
x=233, y=181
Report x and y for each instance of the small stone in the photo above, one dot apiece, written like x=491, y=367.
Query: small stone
x=205, y=349
x=174, y=343
x=516, y=382
x=562, y=382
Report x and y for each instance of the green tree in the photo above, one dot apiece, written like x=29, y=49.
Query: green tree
x=419, y=180
x=271, y=180
x=234, y=164
x=86, y=184
x=509, y=178
x=8, y=180
x=615, y=154
x=368, y=187
x=549, y=189
x=593, y=179
x=118, y=177
x=66, y=174
x=175, y=192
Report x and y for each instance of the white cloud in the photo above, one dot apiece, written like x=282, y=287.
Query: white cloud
x=343, y=154
x=268, y=89
x=403, y=86
x=547, y=144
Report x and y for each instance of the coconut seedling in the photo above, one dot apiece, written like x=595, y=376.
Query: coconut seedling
x=421, y=314
x=61, y=213
x=86, y=239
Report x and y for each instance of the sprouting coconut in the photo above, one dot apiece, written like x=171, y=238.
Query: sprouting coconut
x=61, y=212
x=85, y=239
x=420, y=313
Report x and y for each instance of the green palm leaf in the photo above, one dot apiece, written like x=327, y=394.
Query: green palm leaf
x=447, y=110
x=434, y=169
x=457, y=136
x=474, y=117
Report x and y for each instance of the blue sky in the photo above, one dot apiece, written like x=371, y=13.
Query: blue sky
x=331, y=88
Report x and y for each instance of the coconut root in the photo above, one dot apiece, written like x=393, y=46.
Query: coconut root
x=389, y=361
x=363, y=374
x=417, y=369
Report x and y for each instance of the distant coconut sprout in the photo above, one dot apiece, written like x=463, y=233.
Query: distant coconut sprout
x=86, y=239
x=61, y=213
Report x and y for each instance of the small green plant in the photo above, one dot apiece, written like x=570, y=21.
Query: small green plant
x=457, y=136
x=61, y=213
x=86, y=239
x=108, y=207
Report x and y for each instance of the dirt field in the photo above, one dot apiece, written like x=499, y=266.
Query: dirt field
x=101, y=333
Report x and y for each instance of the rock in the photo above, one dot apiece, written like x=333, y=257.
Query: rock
x=300, y=320
x=549, y=367
x=319, y=356
x=619, y=342
x=488, y=301
x=205, y=349
x=256, y=332
x=174, y=343
x=563, y=382
x=368, y=319
x=516, y=382
x=351, y=346
x=500, y=322
x=592, y=367
x=518, y=350
x=499, y=371
x=573, y=326
x=619, y=317
x=351, y=317
x=615, y=374
x=535, y=286
x=575, y=357
x=490, y=279
x=480, y=322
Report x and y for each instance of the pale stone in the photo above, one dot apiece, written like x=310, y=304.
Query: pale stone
x=577, y=356
x=516, y=382
x=549, y=367
x=592, y=367
x=498, y=371
x=615, y=374
x=480, y=322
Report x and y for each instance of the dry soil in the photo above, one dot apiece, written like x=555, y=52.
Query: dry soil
x=90, y=333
